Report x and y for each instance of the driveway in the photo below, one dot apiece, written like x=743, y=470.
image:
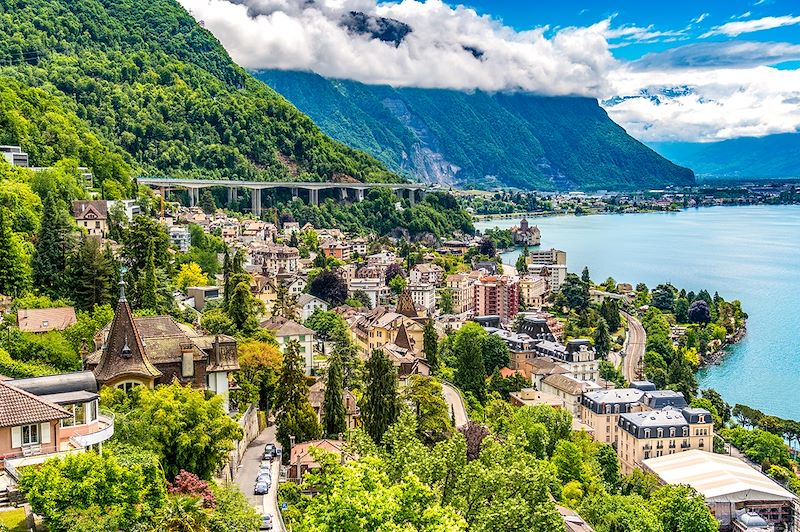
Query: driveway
x=248, y=470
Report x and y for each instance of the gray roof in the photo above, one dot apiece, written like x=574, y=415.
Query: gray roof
x=617, y=395
x=58, y=384
x=67, y=398
x=667, y=417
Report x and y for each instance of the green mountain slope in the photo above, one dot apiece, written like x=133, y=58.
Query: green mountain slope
x=746, y=158
x=157, y=92
x=480, y=139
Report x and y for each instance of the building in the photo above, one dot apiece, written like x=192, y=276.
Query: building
x=336, y=249
x=462, y=287
x=41, y=320
x=180, y=238
x=547, y=257
x=601, y=409
x=731, y=489
x=568, y=389
x=360, y=245
x=286, y=331
x=524, y=235
x=533, y=397
x=308, y=304
x=275, y=258
x=536, y=327
x=520, y=346
x=578, y=356
x=497, y=296
x=153, y=350
x=426, y=273
x=316, y=396
x=384, y=258
x=533, y=291
x=374, y=287
x=554, y=274
x=15, y=156
x=92, y=216
x=454, y=247
x=203, y=295
x=382, y=326
x=656, y=433
x=301, y=460
x=423, y=295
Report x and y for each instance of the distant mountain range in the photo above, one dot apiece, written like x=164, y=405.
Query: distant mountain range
x=772, y=156
x=479, y=139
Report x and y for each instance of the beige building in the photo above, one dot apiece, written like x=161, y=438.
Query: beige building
x=569, y=390
x=463, y=287
x=92, y=216
x=532, y=291
x=423, y=295
x=275, y=258
x=656, y=433
x=426, y=273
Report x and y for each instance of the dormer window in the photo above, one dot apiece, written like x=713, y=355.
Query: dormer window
x=672, y=432
x=646, y=433
x=660, y=433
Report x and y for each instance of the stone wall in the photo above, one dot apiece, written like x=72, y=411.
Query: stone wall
x=249, y=424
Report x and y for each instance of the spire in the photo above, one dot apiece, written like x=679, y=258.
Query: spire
x=121, y=283
x=405, y=305
x=402, y=339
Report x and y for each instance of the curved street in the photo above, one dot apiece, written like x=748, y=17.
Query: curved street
x=635, y=342
x=456, y=404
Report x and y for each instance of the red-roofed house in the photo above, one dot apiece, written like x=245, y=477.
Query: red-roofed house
x=39, y=320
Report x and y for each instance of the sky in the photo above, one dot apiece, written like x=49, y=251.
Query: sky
x=698, y=71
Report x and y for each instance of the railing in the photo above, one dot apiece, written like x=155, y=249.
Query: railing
x=106, y=431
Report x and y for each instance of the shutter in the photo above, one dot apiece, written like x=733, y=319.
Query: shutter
x=16, y=437
x=44, y=437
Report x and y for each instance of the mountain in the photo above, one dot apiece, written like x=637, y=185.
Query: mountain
x=772, y=156
x=127, y=87
x=480, y=139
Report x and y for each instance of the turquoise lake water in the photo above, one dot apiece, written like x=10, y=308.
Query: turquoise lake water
x=746, y=253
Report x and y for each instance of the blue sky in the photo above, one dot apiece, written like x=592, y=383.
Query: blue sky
x=684, y=71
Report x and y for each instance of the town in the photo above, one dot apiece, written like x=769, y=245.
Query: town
x=257, y=363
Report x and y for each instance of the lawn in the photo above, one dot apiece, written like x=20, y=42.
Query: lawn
x=14, y=519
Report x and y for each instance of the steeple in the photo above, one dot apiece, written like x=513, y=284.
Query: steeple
x=402, y=339
x=405, y=305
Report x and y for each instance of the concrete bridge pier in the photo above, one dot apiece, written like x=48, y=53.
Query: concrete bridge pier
x=255, y=202
x=233, y=194
x=313, y=196
x=294, y=191
x=194, y=196
x=359, y=194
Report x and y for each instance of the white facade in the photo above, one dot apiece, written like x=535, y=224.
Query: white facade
x=375, y=289
x=423, y=295
x=179, y=236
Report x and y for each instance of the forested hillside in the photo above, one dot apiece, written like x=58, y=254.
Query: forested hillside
x=445, y=136
x=126, y=87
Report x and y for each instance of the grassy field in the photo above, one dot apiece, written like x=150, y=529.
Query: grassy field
x=13, y=519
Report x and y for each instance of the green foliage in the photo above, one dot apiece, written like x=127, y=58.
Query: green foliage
x=53, y=244
x=505, y=385
x=334, y=414
x=495, y=353
x=430, y=345
x=17, y=369
x=524, y=128
x=470, y=370
x=380, y=406
x=232, y=511
x=758, y=445
x=15, y=270
x=87, y=324
x=619, y=513
x=50, y=349
x=602, y=339
x=106, y=484
x=295, y=416
x=682, y=509
x=609, y=311
x=183, y=428
x=424, y=394
x=91, y=274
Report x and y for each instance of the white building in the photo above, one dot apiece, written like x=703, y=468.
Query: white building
x=423, y=295
x=274, y=258
x=427, y=273
x=376, y=289
x=14, y=155
x=532, y=291
x=180, y=238
x=384, y=258
x=287, y=330
x=462, y=286
x=308, y=304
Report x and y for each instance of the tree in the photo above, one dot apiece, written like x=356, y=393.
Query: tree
x=380, y=406
x=243, y=305
x=285, y=303
x=190, y=274
x=699, y=312
x=329, y=286
x=609, y=466
x=232, y=513
x=568, y=461
x=609, y=311
x=53, y=244
x=723, y=408
x=585, y=275
x=664, y=297
x=682, y=509
x=130, y=491
x=91, y=274
x=184, y=429
x=522, y=264
x=430, y=345
x=682, y=310
x=295, y=416
x=148, y=287
x=392, y=271
x=15, y=271
x=575, y=292
x=397, y=284
x=487, y=247
x=495, y=353
x=619, y=513
x=446, y=301
x=362, y=299
x=333, y=412
x=182, y=513
x=259, y=364
x=428, y=404
x=602, y=339
x=470, y=370
x=473, y=433
x=207, y=202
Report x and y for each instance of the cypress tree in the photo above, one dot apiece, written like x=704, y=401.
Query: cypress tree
x=226, y=275
x=470, y=371
x=381, y=405
x=602, y=340
x=609, y=310
x=148, y=291
x=295, y=416
x=15, y=271
x=430, y=345
x=53, y=244
x=334, y=413
x=91, y=274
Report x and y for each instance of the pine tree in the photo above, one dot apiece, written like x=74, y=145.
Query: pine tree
x=609, y=310
x=91, y=274
x=53, y=244
x=602, y=340
x=207, y=202
x=148, y=288
x=226, y=274
x=15, y=271
x=241, y=304
x=334, y=413
x=295, y=416
x=470, y=370
x=585, y=275
x=430, y=345
x=381, y=406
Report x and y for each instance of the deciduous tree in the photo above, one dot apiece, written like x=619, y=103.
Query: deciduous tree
x=295, y=416
x=470, y=370
x=15, y=270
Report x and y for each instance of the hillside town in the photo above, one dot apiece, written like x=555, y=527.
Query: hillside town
x=466, y=341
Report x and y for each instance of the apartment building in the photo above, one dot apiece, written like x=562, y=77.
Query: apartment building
x=497, y=296
x=533, y=291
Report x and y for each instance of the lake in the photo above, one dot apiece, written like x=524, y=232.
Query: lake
x=748, y=253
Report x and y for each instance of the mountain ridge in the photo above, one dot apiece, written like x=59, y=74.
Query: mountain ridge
x=503, y=139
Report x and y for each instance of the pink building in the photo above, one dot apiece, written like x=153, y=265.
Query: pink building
x=497, y=296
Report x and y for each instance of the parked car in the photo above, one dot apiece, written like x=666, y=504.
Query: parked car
x=264, y=477
x=266, y=522
x=262, y=488
x=269, y=451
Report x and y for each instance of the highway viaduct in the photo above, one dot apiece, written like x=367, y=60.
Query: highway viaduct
x=413, y=191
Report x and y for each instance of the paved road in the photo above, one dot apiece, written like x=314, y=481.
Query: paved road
x=455, y=403
x=246, y=477
x=635, y=342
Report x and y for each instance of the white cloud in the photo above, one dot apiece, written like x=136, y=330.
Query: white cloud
x=701, y=18
x=733, y=29
x=300, y=35
x=731, y=92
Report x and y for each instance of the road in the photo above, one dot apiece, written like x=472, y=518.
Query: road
x=456, y=404
x=248, y=470
x=635, y=342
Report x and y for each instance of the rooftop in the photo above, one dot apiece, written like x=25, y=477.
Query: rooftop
x=18, y=407
x=38, y=320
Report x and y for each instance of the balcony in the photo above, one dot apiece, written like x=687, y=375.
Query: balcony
x=647, y=447
x=99, y=433
x=686, y=445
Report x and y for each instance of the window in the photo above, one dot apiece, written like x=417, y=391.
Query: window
x=646, y=433
x=660, y=433
x=30, y=434
x=302, y=337
x=672, y=432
